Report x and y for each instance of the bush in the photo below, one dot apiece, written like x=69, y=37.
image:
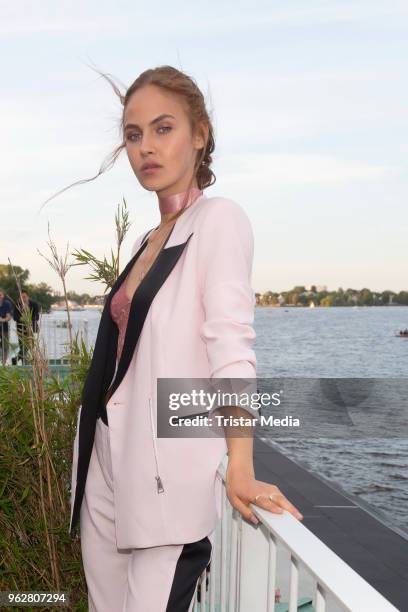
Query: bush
x=38, y=411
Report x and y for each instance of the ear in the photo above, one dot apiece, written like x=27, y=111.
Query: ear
x=201, y=135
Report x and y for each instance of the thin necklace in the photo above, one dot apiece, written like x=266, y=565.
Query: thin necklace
x=143, y=272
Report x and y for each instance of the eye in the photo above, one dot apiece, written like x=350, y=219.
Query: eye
x=130, y=136
x=165, y=127
x=133, y=136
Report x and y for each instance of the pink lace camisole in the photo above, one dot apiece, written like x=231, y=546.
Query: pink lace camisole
x=120, y=308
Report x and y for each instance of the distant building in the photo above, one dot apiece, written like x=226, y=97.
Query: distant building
x=308, y=293
x=61, y=305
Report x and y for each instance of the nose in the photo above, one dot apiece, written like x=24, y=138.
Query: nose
x=146, y=145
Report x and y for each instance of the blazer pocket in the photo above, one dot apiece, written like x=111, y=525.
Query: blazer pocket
x=159, y=482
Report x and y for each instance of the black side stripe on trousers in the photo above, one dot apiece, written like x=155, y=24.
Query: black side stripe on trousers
x=193, y=560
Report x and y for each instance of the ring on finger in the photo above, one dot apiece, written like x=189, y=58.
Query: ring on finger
x=270, y=496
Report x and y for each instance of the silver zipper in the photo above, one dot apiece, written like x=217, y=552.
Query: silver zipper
x=159, y=482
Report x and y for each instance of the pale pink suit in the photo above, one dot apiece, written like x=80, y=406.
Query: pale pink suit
x=199, y=325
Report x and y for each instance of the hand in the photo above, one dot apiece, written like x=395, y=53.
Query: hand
x=242, y=489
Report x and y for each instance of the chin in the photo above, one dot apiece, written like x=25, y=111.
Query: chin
x=151, y=183
x=149, y=187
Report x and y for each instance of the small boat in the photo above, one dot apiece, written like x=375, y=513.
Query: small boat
x=403, y=333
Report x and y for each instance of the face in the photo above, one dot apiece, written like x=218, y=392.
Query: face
x=1, y=296
x=24, y=295
x=167, y=141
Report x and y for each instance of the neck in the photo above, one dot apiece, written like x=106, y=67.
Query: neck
x=169, y=205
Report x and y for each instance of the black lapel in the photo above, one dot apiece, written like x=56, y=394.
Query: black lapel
x=103, y=361
x=98, y=379
x=142, y=299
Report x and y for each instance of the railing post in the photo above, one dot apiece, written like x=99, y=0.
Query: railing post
x=224, y=544
x=253, y=578
x=86, y=333
x=240, y=520
x=320, y=599
x=294, y=584
x=272, y=566
x=233, y=563
x=55, y=339
x=214, y=569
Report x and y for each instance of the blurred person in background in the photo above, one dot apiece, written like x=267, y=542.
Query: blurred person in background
x=5, y=316
x=23, y=332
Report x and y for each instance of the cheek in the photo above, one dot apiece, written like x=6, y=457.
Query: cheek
x=131, y=154
x=181, y=151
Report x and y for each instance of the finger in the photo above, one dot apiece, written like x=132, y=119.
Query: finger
x=267, y=488
x=244, y=510
x=278, y=500
x=267, y=504
x=287, y=505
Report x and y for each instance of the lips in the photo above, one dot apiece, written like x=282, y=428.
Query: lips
x=150, y=170
x=150, y=166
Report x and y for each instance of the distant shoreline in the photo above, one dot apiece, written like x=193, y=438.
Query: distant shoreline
x=332, y=306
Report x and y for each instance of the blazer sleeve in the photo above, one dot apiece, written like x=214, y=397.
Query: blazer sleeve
x=225, y=254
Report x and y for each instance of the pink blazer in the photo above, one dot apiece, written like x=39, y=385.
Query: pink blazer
x=197, y=323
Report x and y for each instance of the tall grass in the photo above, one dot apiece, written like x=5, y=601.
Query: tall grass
x=37, y=425
x=38, y=413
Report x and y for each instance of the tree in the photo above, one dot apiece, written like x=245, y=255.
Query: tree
x=365, y=298
x=8, y=282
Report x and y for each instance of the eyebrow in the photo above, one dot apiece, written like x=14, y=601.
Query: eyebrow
x=156, y=120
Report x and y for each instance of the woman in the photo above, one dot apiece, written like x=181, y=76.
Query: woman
x=182, y=308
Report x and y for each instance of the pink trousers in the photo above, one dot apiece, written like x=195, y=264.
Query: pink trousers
x=157, y=579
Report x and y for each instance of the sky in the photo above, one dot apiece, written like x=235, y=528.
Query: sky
x=309, y=106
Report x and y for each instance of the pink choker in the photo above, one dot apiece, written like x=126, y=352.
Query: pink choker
x=174, y=203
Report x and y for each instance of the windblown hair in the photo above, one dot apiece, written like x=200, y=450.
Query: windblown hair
x=180, y=84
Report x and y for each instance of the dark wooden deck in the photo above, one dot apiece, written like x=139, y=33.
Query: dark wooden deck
x=374, y=550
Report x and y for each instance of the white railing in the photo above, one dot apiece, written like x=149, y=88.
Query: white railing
x=53, y=335
x=248, y=561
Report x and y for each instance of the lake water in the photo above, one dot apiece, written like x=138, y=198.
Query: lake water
x=339, y=343
x=343, y=343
